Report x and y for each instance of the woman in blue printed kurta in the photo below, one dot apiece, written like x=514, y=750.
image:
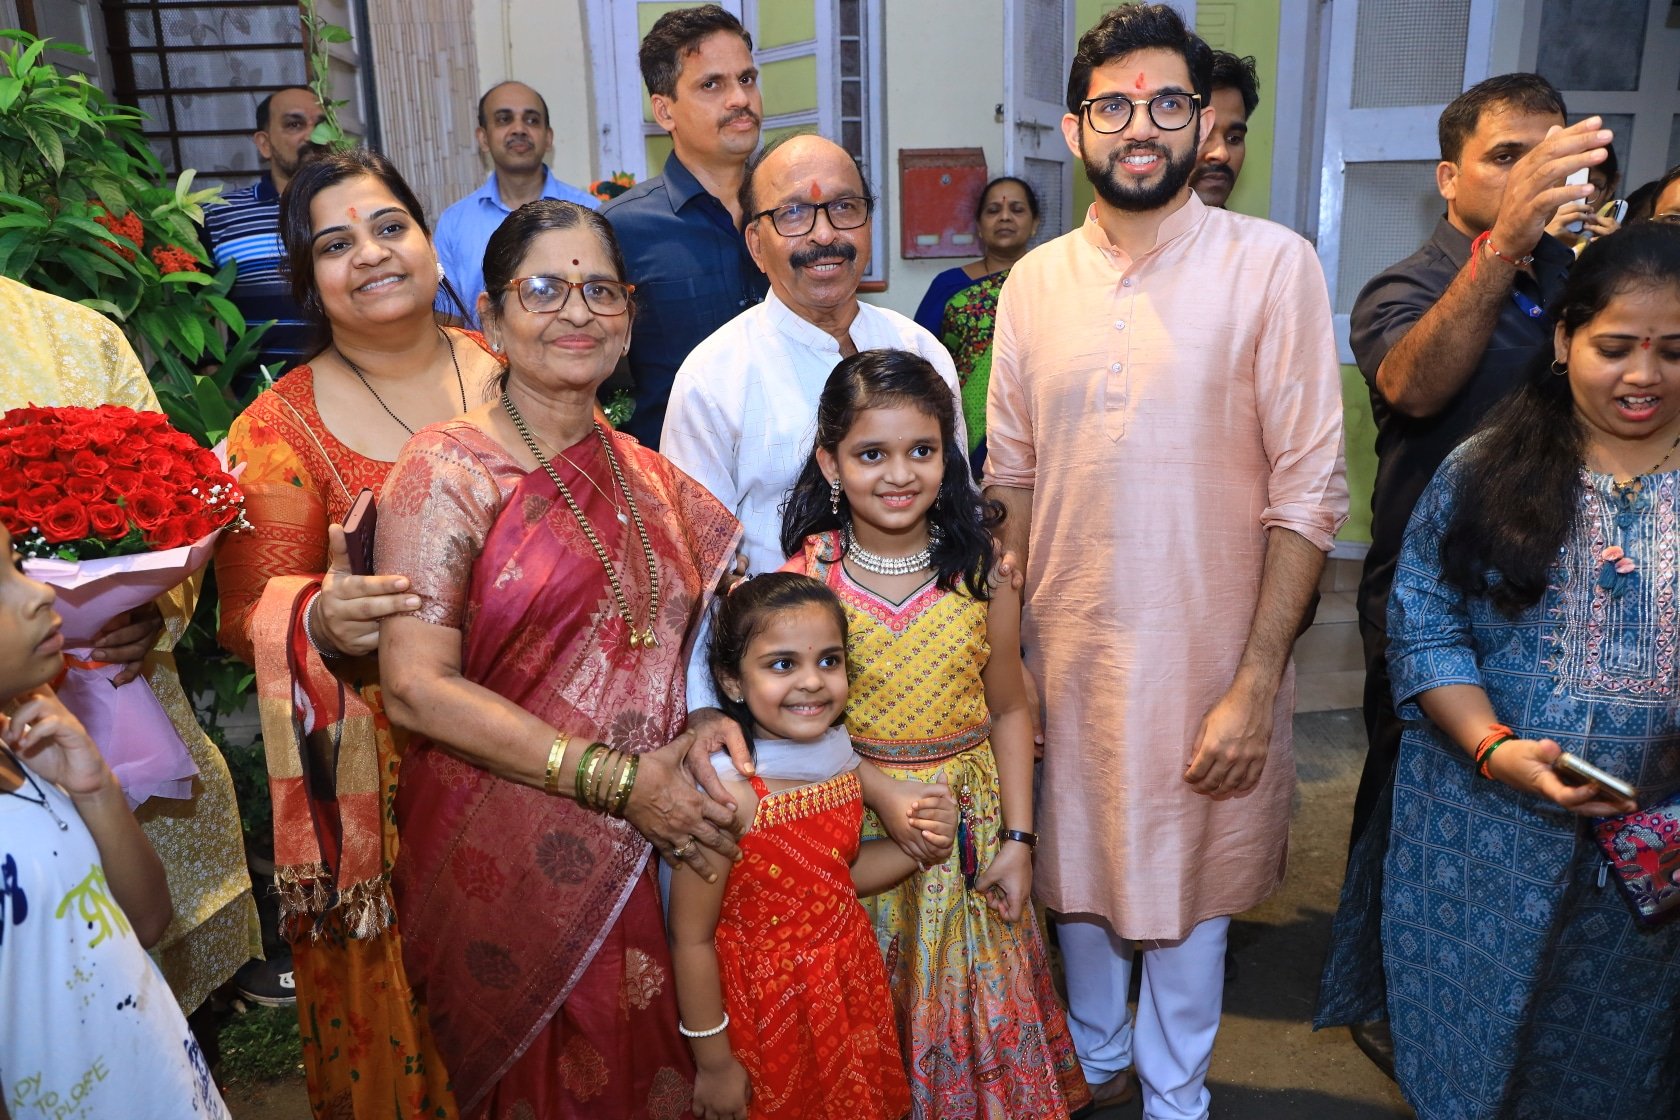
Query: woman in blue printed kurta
x=1539, y=585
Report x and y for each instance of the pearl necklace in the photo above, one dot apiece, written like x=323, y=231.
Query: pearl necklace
x=889, y=565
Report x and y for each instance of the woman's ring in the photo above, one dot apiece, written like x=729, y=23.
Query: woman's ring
x=682, y=852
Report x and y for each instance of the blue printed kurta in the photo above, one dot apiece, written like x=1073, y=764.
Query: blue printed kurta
x=1519, y=983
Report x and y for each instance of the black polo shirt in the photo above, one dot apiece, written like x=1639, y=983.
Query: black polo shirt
x=1408, y=449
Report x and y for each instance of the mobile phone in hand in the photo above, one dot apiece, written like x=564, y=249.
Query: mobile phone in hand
x=1576, y=179
x=358, y=533
x=1576, y=771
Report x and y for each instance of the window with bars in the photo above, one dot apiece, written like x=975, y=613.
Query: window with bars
x=198, y=68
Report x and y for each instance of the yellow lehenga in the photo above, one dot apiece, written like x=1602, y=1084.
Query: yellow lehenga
x=982, y=1031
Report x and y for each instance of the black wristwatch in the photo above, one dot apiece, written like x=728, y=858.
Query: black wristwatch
x=1030, y=839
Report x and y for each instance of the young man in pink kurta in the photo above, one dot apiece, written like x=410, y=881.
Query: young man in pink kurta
x=1165, y=427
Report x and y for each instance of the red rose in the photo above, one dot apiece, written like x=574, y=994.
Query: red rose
x=12, y=484
x=33, y=445
x=86, y=462
x=46, y=473
x=122, y=454
x=187, y=505
x=205, y=463
x=66, y=520
x=171, y=534
x=157, y=461
x=32, y=505
x=124, y=482
x=84, y=489
x=108, y=521
x=200, y=525
x=71, y=438
x=102, y=435
x=149, y=508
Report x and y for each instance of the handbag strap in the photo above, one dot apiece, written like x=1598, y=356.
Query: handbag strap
x=313, y=438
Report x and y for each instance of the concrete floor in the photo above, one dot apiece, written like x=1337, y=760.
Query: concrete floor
x=1268, y=1064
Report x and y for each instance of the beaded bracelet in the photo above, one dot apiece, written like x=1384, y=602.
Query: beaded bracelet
x=717, y=1030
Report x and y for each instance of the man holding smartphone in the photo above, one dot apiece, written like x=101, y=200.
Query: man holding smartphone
x=1441, y=338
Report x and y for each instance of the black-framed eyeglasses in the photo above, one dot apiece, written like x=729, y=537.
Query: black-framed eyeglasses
x=796, y=219
x=1170, y=111
x=541, y=294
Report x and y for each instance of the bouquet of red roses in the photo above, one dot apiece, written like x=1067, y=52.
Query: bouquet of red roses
x=114, y=508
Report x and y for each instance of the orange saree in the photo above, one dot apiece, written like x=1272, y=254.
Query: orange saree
x=533, y=928
x=367, y=1050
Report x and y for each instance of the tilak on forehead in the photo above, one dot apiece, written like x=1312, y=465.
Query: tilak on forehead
x=353, y=216
x=1138, y=85
x=816, y=190
x=1645, y=343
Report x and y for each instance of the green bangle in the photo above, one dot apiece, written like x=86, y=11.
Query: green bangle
x=1487, y=756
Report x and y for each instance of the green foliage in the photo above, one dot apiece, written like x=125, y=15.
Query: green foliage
x=87, y=213
x=320, y=36
x=261, y=1045
x=620, y=408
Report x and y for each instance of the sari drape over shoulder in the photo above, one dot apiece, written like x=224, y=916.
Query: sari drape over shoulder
x=509, y=894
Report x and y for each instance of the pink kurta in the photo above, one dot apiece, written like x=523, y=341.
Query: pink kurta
x=1165, y=411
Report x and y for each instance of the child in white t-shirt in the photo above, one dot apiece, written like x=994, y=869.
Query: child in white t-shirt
x=88, y=1027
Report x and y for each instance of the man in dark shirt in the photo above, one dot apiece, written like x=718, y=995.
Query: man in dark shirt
x=681, y=231
x=1441, y=338
x=246, y=227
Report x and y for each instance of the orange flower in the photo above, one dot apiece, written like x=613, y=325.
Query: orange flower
x=128, y=226
x=173, y=258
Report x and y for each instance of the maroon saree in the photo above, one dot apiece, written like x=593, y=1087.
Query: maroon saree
x=531, y=923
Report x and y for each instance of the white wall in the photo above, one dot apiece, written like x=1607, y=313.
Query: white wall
x=543, y=44
x=942, y=87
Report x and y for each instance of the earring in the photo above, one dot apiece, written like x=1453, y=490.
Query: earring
x=440, y=270
x=1559, y=369
x=834, y=496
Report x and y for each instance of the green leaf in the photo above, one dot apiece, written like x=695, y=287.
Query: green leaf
x=10, y=88
x=47, y=142
x=104, y=307
x=26, y=61
x=227, y=312
x=18, y=202
x=23, y=221
x=332, y=33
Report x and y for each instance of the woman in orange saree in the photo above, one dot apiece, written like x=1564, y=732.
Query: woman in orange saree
x=363, y=264
x=562, y=571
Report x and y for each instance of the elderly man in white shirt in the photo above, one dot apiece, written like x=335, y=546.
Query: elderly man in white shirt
x=743, y=408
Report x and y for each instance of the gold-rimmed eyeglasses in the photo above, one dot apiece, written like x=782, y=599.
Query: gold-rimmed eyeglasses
x=542, y=294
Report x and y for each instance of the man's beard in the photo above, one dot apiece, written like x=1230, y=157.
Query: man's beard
x=306, y=152
x=1122, y=192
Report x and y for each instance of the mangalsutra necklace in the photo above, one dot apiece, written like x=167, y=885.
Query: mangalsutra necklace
x=1634, y=485
x=889, y=565
x=587, y=477
x=40, y=797
x=638, y=638
x=460, y=382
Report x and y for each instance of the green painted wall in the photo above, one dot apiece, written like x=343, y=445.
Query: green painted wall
x=1243, y=26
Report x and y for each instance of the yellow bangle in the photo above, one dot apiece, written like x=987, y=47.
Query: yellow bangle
x=591, y=779
x=626, y=782
x=578, y=782
x=551, y=775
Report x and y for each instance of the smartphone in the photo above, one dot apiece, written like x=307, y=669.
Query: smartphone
x=1577, y=771
x=1576, y=179
x=1615, y=210
x=358, y=533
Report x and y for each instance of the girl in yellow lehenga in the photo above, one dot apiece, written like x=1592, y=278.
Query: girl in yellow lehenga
x=885, y=514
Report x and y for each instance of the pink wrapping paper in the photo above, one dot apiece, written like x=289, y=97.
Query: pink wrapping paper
x=129, y=724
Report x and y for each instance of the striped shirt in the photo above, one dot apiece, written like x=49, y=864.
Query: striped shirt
x=246, y=229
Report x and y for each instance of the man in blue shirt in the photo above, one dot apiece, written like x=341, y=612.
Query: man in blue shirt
x=681, y=231
x=246, y=228
x=513, y=131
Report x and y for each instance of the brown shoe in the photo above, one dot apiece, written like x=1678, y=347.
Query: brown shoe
x=1117, y=1090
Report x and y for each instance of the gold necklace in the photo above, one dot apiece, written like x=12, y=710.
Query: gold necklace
x=587, y=477
x=638, y=639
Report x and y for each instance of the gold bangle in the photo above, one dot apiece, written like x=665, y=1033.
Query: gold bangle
x=626, y=783
x=590, y=780
x=611, y=760
x=579, y=784
x=551, y=775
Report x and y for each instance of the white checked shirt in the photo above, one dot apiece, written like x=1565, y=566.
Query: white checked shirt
x=743, y=413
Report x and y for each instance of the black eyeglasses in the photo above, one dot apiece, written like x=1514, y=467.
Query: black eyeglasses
x=541, y=294
x=1170, y=111
x=796, y=219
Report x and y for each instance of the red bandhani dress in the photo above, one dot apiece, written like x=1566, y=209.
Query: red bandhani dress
x=810, y=1017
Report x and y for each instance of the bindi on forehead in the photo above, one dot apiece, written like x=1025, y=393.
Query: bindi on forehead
x=1138, y=84
x=354, y=217
x=1645, y=344
x=574, y=262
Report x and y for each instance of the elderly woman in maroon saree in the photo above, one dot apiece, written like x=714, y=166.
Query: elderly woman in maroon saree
x=546, y=550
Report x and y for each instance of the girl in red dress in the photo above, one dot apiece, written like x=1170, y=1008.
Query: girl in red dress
x=780, y=981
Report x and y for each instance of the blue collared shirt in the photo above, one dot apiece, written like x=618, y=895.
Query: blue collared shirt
x=465, y=228
x=692, y=274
